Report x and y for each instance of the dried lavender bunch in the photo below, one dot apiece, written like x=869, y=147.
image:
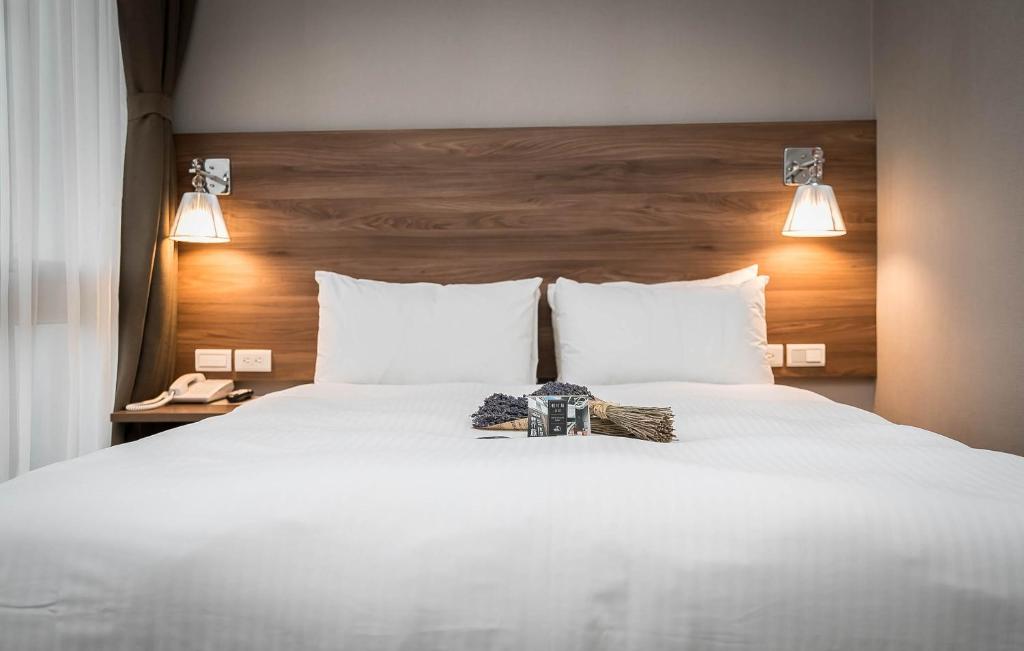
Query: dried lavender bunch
x=502, y=408
x=562, y=389
x=499, y=408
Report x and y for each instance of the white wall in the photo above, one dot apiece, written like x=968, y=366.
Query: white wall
x=950, y=103
x=268, y=65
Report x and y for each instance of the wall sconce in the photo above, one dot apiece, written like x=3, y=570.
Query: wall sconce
x=199, y=217
x=815, y=212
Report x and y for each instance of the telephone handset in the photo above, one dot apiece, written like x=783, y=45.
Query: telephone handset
x=191, y=387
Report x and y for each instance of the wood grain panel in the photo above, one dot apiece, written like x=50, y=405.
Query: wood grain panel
x=642, y=203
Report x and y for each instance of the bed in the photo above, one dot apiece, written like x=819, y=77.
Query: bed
x=337, y=516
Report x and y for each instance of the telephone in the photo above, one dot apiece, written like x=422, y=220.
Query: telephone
x=191, y=387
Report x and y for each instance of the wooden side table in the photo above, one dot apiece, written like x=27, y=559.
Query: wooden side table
x=139, y=424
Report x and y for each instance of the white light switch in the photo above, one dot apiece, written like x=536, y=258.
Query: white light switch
x=776, y=355
x=253, y=361
x=805, y=354
x=213, y=359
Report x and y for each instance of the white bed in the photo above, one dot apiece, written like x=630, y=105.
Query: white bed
x=359, y=517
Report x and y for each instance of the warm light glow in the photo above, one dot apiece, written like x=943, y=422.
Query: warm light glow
x=199, y=219
x=814, y=213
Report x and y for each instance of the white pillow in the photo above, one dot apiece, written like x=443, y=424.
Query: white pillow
x=620, y=333
x=731, y=278
x=374, y=332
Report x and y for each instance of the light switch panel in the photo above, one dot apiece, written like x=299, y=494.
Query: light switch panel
x=805, y=354
x=776, y=356
x=252, y=361
x=213, y=359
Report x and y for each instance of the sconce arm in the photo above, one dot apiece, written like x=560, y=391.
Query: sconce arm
x=203, y=174
x=800, y=159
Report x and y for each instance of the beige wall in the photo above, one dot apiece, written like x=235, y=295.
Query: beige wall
x=949, y=95
x=267, y=65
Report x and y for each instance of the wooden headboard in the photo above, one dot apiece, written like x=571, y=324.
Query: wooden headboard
x=642, y=203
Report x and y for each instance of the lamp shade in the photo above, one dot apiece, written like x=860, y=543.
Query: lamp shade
x=199, y=219
x=814, y=213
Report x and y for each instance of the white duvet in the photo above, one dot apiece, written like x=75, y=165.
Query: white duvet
x=363, y=518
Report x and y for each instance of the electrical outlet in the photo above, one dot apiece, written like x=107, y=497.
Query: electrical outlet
x=776, y=356
x=805, y=354
x=252, y=361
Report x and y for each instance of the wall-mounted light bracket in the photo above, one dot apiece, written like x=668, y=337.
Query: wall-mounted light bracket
x=211, y=175
x=802, y=165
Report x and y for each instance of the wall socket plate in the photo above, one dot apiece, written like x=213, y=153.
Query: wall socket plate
x=805, y=354
x=252, y=361
x=213, y=359
x=776, y=355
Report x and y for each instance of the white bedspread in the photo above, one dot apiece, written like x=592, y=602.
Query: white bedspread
x=363, y=518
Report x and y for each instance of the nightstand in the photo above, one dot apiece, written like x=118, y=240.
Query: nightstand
x=139, y=424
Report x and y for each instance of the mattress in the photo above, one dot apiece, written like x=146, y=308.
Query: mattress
x=368, y=517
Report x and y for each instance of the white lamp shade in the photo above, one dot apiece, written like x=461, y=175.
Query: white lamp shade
x=814, y=213
x=199, y=219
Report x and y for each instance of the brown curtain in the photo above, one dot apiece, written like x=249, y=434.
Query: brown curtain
x=153, y=38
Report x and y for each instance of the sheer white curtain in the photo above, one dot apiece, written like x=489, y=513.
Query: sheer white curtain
x=62, y=129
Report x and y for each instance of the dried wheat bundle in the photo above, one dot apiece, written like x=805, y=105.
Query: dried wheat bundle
x=647, y=423
x=608, y=428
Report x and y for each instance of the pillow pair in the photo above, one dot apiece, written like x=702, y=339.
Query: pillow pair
x=710, y=330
